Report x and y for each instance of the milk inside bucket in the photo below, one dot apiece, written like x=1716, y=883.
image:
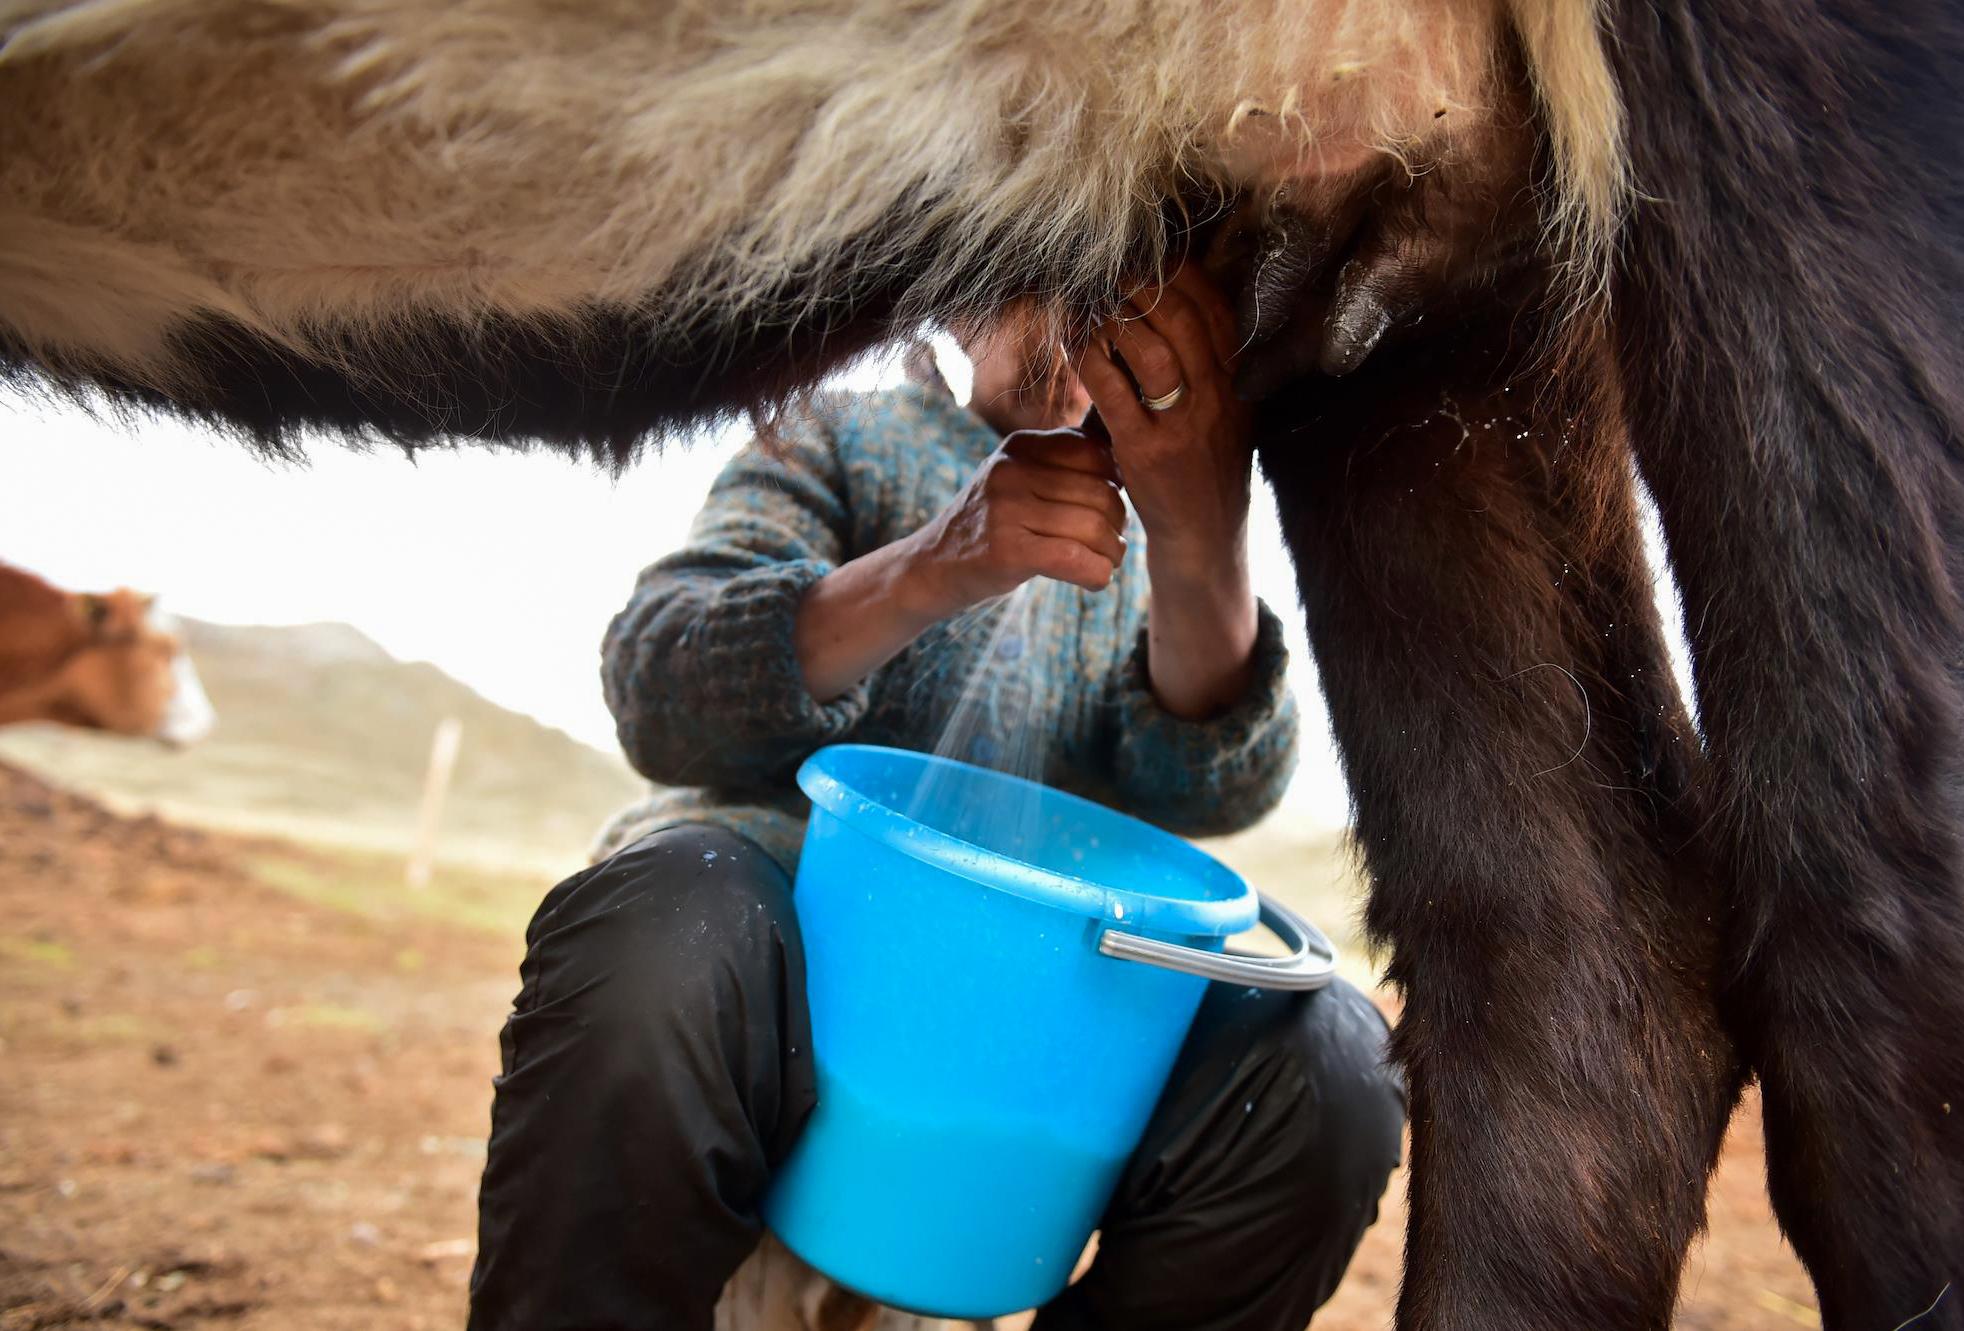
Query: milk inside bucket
x=992, y=1024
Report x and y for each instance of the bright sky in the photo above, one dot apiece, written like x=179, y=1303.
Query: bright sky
x=501, y=569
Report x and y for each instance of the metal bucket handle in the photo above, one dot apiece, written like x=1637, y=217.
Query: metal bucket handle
x=1311, y=964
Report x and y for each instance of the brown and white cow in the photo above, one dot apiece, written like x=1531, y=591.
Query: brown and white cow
x=105, y=661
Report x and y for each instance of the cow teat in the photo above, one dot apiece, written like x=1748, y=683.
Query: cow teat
x=1327, y=268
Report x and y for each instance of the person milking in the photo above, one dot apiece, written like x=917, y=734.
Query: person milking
x=657, y=1064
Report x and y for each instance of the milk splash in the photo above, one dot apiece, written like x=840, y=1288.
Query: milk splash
x=1001, y=720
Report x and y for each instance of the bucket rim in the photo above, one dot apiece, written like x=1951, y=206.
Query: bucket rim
x=1219, y=917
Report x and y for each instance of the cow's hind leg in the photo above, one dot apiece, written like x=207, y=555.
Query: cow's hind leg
x=1791, y=350
x=1825, y=629
x=1524, y=785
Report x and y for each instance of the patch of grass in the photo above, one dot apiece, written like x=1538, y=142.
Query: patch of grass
x=1797, y=1313
x=38, y=952
x=333, y=1017
x=370, y=886
x=118, y=1028
x=49, y=1028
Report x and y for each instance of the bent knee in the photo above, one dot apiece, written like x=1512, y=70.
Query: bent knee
x=662, y=926
x=1353, y=1096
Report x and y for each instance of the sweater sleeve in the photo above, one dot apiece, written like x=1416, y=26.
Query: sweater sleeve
x=1212, y=777
x=699, y=669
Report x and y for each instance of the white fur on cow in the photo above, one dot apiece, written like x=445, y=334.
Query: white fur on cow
x=383, y=199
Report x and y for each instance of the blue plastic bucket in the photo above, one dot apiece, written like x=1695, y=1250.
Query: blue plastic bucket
x=989, y=1046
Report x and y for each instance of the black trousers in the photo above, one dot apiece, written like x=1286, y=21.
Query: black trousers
x=658, y=1067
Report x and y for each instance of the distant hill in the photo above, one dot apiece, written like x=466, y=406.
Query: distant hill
x=323, y=736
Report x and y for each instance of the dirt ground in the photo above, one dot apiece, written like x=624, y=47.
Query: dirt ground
x=225, y=1106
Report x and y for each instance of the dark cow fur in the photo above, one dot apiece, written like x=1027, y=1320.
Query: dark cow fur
x=1528, y=805
x=1597, y=926
x=1791, y=354
x=1587, y=919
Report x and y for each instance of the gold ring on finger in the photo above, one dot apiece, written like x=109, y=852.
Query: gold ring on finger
x=1165, y=402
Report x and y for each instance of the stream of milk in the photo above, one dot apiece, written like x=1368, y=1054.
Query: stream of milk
x=1001, y=720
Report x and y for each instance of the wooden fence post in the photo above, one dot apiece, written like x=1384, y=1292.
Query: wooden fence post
x=436, y=784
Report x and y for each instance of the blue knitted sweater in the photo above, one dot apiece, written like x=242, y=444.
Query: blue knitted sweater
x=704, y=684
